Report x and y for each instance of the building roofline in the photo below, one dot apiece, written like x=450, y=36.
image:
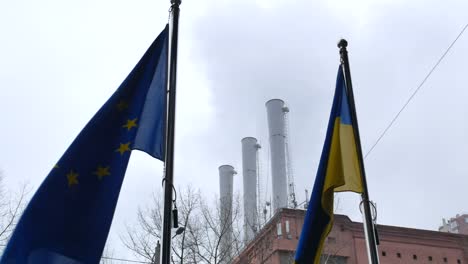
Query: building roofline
x=357, y=229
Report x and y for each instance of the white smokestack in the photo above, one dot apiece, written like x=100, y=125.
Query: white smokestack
x=276, y=127
x=226, y=175
x=249, y=173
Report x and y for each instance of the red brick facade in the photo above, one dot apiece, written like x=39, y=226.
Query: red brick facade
x=276, y=243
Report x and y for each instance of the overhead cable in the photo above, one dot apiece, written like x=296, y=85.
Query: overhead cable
x=416, y=91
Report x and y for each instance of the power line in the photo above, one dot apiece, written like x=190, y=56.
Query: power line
x=415, y=91
x=126, y=260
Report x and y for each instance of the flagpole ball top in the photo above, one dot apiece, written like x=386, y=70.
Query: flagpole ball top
x=343, y=43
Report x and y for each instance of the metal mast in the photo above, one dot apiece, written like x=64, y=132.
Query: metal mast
x=369, y=227
x=170, y=132
x=289, y=166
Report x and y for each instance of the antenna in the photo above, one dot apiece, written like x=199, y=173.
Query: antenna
x=289, y=167
x=268, y=173
x=259, y=184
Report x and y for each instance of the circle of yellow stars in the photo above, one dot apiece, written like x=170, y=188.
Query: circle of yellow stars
x=101, y=171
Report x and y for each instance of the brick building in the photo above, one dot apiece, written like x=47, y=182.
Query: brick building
x=457, y=225
x=276, y=243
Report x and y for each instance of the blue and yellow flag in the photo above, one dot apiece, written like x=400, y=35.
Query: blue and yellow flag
x=68, y=218
x=338, y=171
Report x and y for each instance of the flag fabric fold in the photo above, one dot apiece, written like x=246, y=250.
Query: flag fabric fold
x=338, y=171
x=69, y=217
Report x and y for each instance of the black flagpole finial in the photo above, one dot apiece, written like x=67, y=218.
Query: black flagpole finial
x=343, y=43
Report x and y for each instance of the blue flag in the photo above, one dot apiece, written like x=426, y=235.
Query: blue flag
x=338, y=171
x=69, y=217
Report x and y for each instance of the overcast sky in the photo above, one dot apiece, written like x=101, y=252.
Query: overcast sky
x=61, y=60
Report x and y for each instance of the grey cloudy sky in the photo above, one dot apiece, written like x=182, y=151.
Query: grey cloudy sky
x=61, y=60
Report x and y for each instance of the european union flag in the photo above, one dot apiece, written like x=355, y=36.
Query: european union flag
x=68, y=219
x=338, y=171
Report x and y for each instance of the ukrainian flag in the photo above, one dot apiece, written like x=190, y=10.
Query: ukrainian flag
x=338, y=171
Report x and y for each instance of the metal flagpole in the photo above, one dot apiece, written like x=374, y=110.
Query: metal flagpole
x=170, y=131
x=369, y=229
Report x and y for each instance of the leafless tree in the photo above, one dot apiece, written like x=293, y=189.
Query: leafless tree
x=11, y=206
x=215, y=236
x=188, y=204
x=142, y=238
x=204, y=230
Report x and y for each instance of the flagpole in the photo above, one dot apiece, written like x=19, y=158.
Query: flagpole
x=170, y=132
x=368, y=223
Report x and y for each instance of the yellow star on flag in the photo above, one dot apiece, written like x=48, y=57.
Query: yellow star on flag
x=72, y=178
x=102, y=171
x=123, y=148
x=122, y=105
x=130, y=123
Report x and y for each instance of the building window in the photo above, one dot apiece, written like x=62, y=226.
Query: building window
x=415, y=257
x=331, y=240
x=398, y=255
x=458, y=261
x=279, y=232
x=445, y=260
x=430, y=258
x=288, y=234
x=384, y=253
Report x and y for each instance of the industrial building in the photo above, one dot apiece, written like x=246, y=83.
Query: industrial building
x=457, y=225
x=276, y=243
x=274, y=240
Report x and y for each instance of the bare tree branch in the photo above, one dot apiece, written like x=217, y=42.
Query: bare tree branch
x=11, y=207
x=206, y=227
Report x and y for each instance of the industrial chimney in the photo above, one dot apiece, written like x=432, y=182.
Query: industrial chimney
x=276, y=126
x=249, y=172
x=226, y=174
